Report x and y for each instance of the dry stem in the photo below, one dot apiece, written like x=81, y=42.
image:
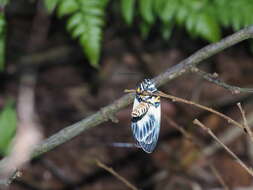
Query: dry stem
x=122, y=179
x=213, y=79
x=197, y=122
x=219, y=177
x=245, y=122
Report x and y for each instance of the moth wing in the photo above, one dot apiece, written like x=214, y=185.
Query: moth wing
x=146, y=129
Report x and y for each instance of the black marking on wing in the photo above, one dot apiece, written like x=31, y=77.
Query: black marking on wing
x=146, y=132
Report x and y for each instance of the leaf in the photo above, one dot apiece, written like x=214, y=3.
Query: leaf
x=8, y=123
x=2, y=40
x=146, y=10
x=208, y=28
x=237, y=22
x=182, y=14
x=74, y=20
x=191, y=22
x=127, y=10
x=168, y=11
x=79, y=30
x=4, y=2
x=158, y=6
x=51, y=5
x=91, y=45
x=87, y=24
x=67, y=7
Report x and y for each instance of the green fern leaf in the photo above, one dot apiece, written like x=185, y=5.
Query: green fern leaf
x=67, y=7
x=74, y=20
x=91, y=45
x=158, y=6
x=146, y=10
x=4, y=2
x=2, y=40
x=208, y=28
x=86, y=24
x=191, y=23
x=79, y=30
x=8, y=124
x=127, y=10
x=168, y=11
x=51, y=5
x=182, y=14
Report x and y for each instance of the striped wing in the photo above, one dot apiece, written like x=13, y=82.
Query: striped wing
x=146, y=127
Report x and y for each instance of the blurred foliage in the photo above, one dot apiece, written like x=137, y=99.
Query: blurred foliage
x=8, y=123
x=2, y=33
x=2, y=40
x=3, y=2
x=201, y=18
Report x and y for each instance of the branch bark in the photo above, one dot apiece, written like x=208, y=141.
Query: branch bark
x=108, y=112
x=213, y=79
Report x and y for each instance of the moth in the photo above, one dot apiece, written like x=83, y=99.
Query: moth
x=146, y=116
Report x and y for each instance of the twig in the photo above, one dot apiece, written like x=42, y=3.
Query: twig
x=197, y=122
x=176, y=99
x=219, y=177
x=213, y=78
x=196, y=142
x=122, y=179
x=245, y=122
x=228, y=136
x=185, y=133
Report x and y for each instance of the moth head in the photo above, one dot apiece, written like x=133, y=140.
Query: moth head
x=147, y=85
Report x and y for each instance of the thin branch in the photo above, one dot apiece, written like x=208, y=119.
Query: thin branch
x=122, y=179
x=245, y=122
x=185, y=133
x=228, y=136
x=213, y=79
x=197, y=122
x=184, y=66
x=176, y=99
x=188, y=136
x=219, y=177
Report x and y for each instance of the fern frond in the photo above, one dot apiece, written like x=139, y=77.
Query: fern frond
x=146, y=11
x=67, y=7
x=127, y=10
x=168, y=11
x=2, y=40
x=85, y=22
x=51, y=4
